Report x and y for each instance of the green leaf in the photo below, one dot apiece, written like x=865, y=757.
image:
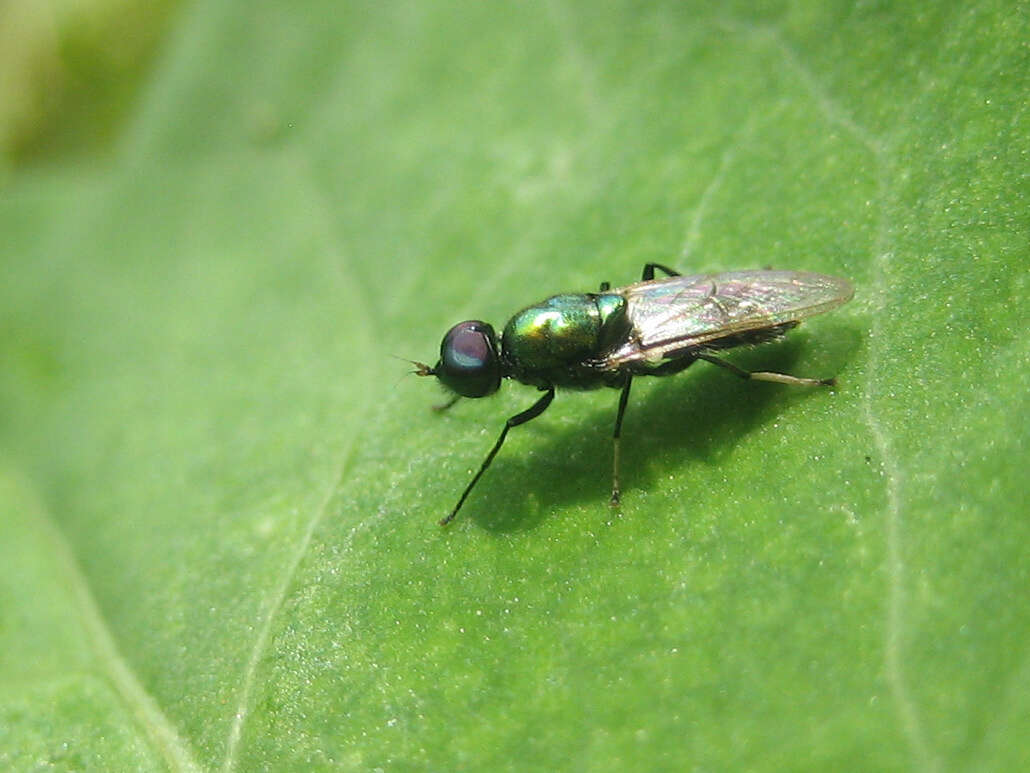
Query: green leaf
x=219, y=548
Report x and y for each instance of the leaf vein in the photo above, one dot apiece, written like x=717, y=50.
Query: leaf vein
x=881, y=258
x=278, y=596
x=159, y=729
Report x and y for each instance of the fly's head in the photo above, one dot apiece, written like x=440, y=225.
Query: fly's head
x=468, y=365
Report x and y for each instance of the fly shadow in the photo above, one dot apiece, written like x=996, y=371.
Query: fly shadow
x=565, y=457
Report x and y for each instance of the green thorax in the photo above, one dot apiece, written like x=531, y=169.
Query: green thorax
x=559, y=341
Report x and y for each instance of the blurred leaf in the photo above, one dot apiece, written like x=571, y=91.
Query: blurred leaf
x=219, y=547
x=72, y=69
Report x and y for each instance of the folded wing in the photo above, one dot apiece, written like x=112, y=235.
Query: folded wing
x=672, y=315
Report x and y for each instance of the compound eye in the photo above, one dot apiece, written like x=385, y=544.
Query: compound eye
x=468, y=359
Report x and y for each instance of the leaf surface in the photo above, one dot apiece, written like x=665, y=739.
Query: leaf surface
x=220, y=490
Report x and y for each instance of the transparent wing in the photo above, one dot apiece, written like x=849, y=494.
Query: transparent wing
x=670, y=315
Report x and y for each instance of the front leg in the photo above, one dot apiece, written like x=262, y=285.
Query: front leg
x=520, y=418
x=446, y=406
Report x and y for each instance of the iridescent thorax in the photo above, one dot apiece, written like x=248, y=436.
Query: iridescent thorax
x=558, y=341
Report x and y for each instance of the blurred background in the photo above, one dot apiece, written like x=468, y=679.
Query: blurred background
x=72, y=69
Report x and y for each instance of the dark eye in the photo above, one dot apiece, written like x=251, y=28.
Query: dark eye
x=468, y=360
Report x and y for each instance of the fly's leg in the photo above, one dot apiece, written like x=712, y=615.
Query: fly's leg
x=444, y=406
x=649, y=269
x=623, y=399
x=673, y=367
x=520, y=418
x=764, y=375
x=647, y=276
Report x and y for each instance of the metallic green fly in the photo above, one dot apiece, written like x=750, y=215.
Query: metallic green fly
x=655, y=327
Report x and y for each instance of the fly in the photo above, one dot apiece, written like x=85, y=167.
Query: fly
x=655, y=327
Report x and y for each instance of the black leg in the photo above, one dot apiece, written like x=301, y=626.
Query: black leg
x=681, y=363
x=520, y=418
x=444, y=406
x=623, y=399
x=649, y=269
x=764, y=375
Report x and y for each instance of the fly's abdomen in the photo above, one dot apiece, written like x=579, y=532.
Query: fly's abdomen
x=559, y=341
